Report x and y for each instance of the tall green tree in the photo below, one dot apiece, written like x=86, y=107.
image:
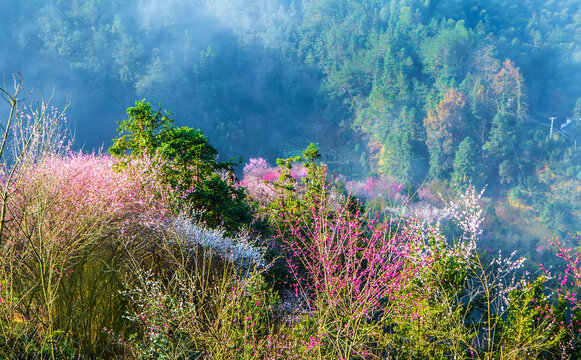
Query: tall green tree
x=399, y=155
x=396, y=156
x=449, y=53
x=465, y=165
x=189, y=165
x=142, y=133
x=499, y=139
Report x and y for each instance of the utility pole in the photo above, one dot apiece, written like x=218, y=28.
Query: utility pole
x=551, y=132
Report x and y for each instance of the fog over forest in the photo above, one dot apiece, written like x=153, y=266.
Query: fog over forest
x=214, y=65
x=107, y=55
x=246, y=57
x=403, y=89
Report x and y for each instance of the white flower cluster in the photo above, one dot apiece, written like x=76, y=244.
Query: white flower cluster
x=467, y=212
x=237, y=250
x=506, y=270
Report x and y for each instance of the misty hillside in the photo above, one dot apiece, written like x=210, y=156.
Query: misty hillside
x=273, y=66
x=419, y=91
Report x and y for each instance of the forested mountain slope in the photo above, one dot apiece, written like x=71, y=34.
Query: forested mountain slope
x=415, y=90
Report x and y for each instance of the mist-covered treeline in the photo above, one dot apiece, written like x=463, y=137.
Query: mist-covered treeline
x=445, y=91
x=280, y=70
x=190, y=56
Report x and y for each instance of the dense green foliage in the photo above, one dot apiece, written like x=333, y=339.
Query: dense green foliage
x=492, y=71
x=258, y=67
x=188, y=165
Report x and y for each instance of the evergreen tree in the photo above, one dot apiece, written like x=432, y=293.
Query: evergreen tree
x=465, y=170
x=189, y=165
x=396, y=155
x=497, y=146
x=449, y=54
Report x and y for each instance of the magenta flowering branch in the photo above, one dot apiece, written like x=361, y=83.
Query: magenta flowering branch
x=567, y=281
x=352, y=274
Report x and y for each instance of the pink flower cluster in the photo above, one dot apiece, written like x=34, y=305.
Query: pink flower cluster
x=373, y=188
x=568, y=281
x=81, y=184
x=258, y=176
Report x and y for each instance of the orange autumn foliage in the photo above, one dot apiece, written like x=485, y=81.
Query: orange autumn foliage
x=444, y=125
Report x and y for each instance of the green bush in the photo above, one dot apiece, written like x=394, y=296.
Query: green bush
x=189, y=166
